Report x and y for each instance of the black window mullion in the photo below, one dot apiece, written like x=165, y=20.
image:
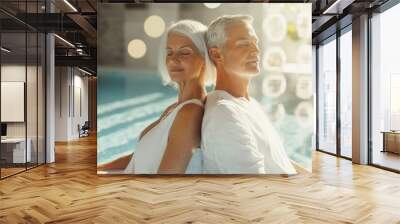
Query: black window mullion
x=369, y=96
x=317, y=96
x=37, y=89
x=26, y=86
x=338, y=73
x=0, y=96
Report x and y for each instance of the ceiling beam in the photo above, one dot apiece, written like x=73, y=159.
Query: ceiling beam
x=82, y=61
x=337, y=7
x=84, y=24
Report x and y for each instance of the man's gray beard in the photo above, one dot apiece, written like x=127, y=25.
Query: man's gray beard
x=248, y=75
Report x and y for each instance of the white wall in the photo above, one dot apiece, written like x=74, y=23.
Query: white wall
x=33, y=126
x=16, y=73
x=12, y=101
x=13, y=73
x=62, y=81
x=69, y=82
x=79, y=117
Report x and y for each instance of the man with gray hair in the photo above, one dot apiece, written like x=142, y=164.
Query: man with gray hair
x=237, y=136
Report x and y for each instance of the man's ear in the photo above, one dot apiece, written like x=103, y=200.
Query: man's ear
x=215, y=55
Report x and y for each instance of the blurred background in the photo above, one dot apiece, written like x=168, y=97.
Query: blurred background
x=130, y=93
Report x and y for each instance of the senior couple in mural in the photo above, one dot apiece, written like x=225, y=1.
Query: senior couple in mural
x=224, y=131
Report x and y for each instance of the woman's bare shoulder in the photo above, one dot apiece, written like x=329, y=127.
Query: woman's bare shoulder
x=191, y=109
x=189, y=119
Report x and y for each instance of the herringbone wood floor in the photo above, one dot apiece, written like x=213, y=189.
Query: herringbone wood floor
x=69, y=191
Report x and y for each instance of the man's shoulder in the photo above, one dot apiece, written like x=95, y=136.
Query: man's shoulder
x=222, y=110
x=218, y=103
x=224, y=121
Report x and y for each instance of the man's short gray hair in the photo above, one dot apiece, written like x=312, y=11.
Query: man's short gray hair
x=216, y=34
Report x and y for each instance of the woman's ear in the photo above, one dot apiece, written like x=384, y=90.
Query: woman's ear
x=215, y=55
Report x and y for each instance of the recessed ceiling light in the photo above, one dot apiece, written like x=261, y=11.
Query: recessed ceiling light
x=84, y=71
x=5, y=49
x=64, y=40
x=70, y=5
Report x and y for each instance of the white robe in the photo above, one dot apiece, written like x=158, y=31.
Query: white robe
x=238, y=138
x=151, y=147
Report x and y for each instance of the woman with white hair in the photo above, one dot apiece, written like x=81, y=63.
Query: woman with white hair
x=170, y=145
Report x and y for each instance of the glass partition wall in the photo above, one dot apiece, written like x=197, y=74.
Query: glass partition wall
x=334, y=75
x=13, y=109
x=327, y=96
x=345, y=61
x=22, y=88
x=385, y=90
x=334, y=112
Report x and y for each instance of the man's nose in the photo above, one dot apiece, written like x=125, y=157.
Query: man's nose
x=256, y=49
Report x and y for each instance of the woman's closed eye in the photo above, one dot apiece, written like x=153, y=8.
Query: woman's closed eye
x=181, y=52
x=185, y=51
x=169, y=52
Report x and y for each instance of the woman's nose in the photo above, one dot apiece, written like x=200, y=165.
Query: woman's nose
x=173, y=59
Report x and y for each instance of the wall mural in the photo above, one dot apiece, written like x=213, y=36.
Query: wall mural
x=205, y=88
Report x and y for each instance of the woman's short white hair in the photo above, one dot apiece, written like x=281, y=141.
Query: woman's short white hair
x=196, y=32
x=216, y=34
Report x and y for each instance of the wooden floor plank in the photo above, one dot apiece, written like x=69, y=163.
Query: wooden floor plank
x=70, y=191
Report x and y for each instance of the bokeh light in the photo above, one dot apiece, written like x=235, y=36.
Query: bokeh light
x=274, y=85
x=304, y=54
x=304, y=87
x=154, y=26
x=212, y=5
x=304, y=114
x=275, y=27
x=280, y=112
x=303, y=25
x=274, y=57
x=137, y=48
